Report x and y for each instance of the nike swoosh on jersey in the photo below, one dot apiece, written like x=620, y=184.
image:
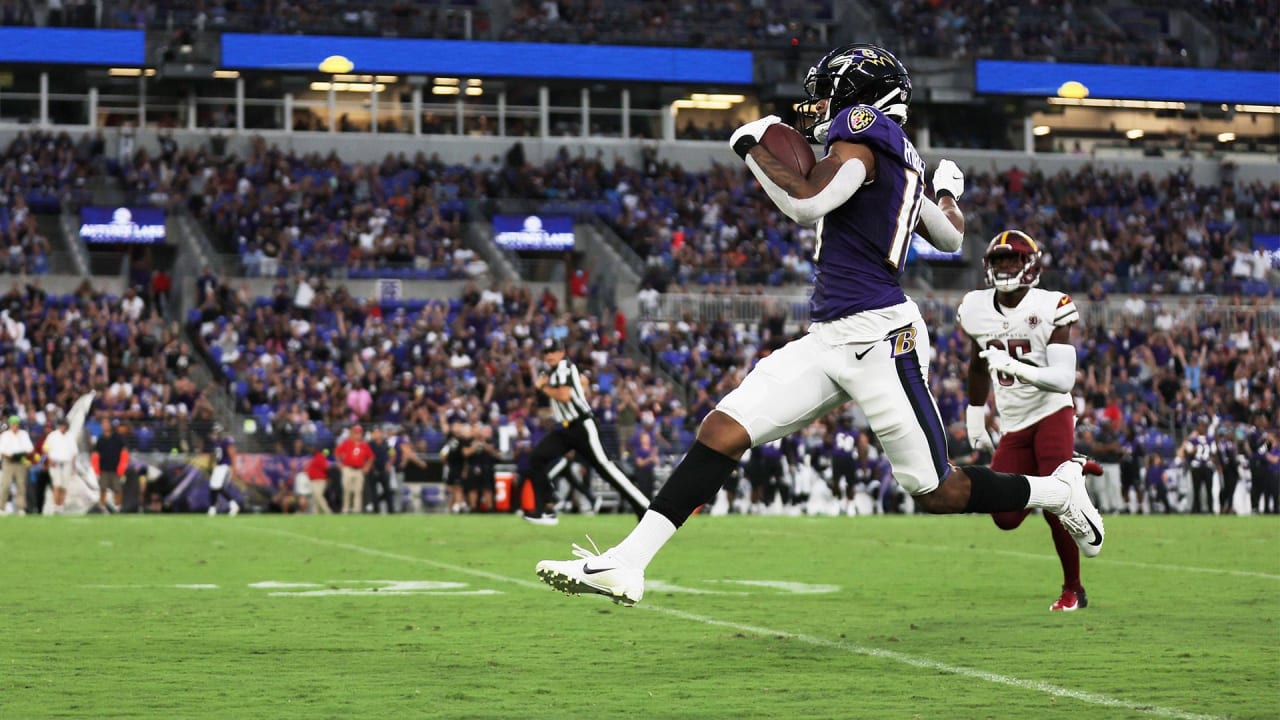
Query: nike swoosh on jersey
x=863, y=354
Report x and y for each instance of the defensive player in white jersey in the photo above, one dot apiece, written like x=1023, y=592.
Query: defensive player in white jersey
x=867, y=341
x=1020, y=336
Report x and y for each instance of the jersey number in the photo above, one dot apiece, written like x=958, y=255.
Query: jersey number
x=1016, y=349
x=908, y=216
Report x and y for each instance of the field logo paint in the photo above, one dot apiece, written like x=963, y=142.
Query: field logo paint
x=367, y=588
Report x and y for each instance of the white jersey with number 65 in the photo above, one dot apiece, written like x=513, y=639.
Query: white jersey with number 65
x=1023, y=332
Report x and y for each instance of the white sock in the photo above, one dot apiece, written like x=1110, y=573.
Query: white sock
x=1048, y=493
x=648, y=537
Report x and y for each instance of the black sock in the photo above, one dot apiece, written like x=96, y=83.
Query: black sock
x=695, y=481
x=991, y=491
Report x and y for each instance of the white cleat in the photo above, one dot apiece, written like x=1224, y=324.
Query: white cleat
x=599, y=573
x=233, y=509
x=1078, y=515
x=213, y=510
x=544, y=518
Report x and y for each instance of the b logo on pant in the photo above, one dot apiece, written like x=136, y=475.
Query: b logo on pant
x=904, y=342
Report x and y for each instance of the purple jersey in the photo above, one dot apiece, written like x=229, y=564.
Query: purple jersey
x=222, y=451
x=862, y=245
x=845, y=444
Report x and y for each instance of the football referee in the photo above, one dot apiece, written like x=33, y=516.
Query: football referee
x=575, y=430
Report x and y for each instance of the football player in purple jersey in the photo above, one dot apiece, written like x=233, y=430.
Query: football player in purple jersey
x=867, y=341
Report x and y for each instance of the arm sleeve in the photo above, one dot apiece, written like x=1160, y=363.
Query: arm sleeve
x=1059, y=375
x=808, y=211
x=942, y=234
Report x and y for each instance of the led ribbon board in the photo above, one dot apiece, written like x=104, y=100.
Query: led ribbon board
x=468, y=58
x=1002, y=77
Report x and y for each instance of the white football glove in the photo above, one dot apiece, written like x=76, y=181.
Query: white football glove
x=947, y=178
x=748, y=136
x=999, y=360
x=975, y=423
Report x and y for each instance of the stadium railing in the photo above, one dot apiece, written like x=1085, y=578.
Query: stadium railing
x=749, y=309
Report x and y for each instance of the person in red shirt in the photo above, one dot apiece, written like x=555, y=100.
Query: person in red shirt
x=317, y=471
x=161, y=283
x=355, y=457
x=578, y=290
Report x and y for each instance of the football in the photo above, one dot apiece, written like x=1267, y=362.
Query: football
x=788, y=145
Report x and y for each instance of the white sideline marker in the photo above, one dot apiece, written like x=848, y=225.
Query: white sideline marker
x=921, y=662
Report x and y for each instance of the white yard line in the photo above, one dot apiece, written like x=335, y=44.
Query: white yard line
x=1045, y=556
x=1133, y=563
x=913, y=660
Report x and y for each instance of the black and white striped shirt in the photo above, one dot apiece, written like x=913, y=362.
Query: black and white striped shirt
x=565, y=374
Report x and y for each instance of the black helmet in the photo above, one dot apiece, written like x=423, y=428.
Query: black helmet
x=858, y=74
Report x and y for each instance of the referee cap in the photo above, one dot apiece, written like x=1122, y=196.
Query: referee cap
x=551, y=344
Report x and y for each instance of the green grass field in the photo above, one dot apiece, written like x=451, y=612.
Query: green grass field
x=745, y=617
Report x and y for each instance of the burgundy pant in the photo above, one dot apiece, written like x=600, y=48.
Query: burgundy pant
x=1039, y=450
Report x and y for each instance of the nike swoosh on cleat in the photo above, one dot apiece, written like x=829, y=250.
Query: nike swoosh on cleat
x=1097, y=536
x=863, y=354
x=592, y=571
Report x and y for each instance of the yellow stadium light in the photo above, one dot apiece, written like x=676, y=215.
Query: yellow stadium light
x=1134, y=134
x=717, y=97
x=1073, y=89
x=360, y=87
x=1226, y=137
x=445, y=90
x=1040, y=130
x=689, y=103
x=335, y=64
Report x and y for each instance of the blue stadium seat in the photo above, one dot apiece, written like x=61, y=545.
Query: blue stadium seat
x=432, y=495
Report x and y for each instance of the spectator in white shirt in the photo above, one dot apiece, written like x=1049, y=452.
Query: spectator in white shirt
x=15, y=452
x=132, y=305
x=60, y=451
x=1135, y=306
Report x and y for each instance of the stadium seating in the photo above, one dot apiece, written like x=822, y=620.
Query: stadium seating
x=63, y=346
x=300, y=373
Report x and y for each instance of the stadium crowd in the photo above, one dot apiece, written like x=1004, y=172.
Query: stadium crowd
x=38, y=171
x=312, y=362
x=283, y=213
x=1145, y=383
x=57, y=347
